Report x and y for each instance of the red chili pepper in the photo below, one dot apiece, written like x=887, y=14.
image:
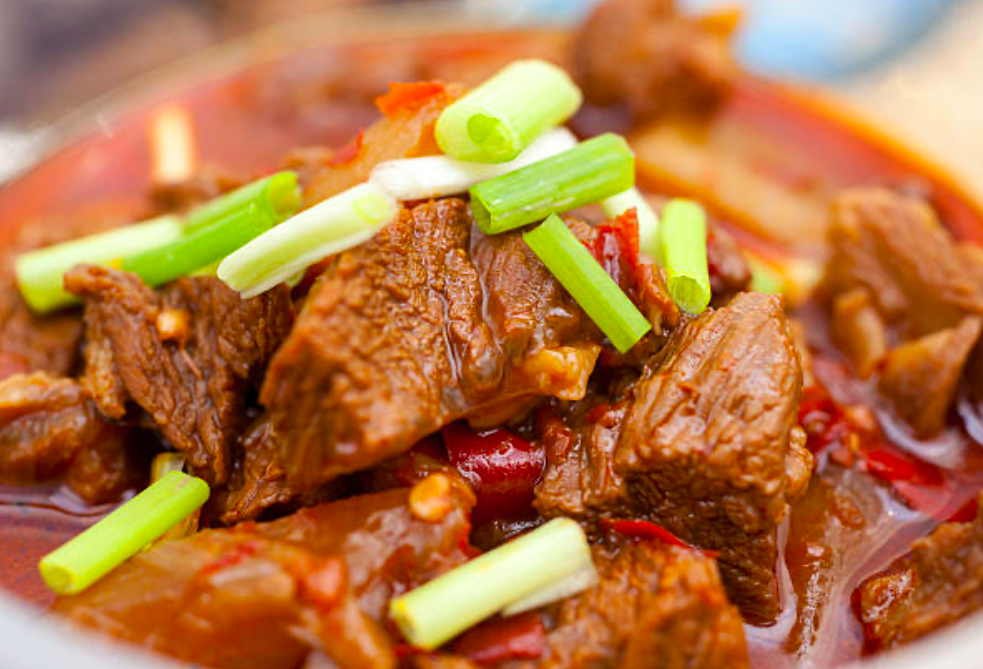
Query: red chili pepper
x=502, y=467
x=229, y=558
x=402, y=650
x=823, y=420
x=616, y=248
x=348, y=152
x=649, y=531
x=409, y=98
x=966, y=513
x=889, y=464
x=521, y=637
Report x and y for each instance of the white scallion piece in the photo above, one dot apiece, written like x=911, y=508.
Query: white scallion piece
x=648, y=220
x=580, y=580
x=339, y=223
x=439, y=176
x=439, y=610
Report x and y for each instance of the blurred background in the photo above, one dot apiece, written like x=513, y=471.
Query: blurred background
x=915, y=65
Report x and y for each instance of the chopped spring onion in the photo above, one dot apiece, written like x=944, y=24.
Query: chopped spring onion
x=443, y=608
x=578, y=581
x=589, y=172
x=202, y=247
x=584, y=278
x=438, y=176
x=648, y=221
x=276, y=196
x=76, y=565
x=764, y=278
x=40, y=273
x=338, y=223
x=497, y=120
x=684, y=252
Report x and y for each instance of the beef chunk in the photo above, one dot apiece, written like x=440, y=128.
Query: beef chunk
x=704, y=444
x=265, y=596
x=858, y=330
x=185, y=355
x=428, y=322
x=900, y=281
x=729, y=271
x=893, y=246
x=643, y=54
x=654, y=606
x=259, y=483
x=938, y=582
x=49, y=427
x=920, y=377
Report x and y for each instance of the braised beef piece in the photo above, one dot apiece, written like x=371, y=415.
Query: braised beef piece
x=645, y=55
x=186, y=355
x=49, y=427
x=920, y=377
x=938, y=582
x=30, y=342
x=269, y=595
x=893, y=245
x=705, y=444
x=655, y=606
x=729, y=271
x=905, y=300
x=427, y=323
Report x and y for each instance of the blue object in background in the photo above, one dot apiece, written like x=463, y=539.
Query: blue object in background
x=810, y=39
x=827, y=39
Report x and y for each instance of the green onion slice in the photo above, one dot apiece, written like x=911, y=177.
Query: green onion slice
x=497, y=120
x=91, y=555
x=40, y=274
x=276, y=196
x=648, y=221
x=764, y=278
x=198, y=249
x=580, y=580
x=443, y=608
x=684, y=251
x=336, y=224
x=589, y=172
x=438, y=176
x=585, y=279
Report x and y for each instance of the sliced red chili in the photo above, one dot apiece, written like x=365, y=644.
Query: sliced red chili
x=615, y=246
x=409, y=98
x=348, y=152
x=502, y=467
x=520, y=637
x=645, y=530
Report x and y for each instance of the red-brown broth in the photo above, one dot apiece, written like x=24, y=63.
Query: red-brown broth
x=246, y=122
